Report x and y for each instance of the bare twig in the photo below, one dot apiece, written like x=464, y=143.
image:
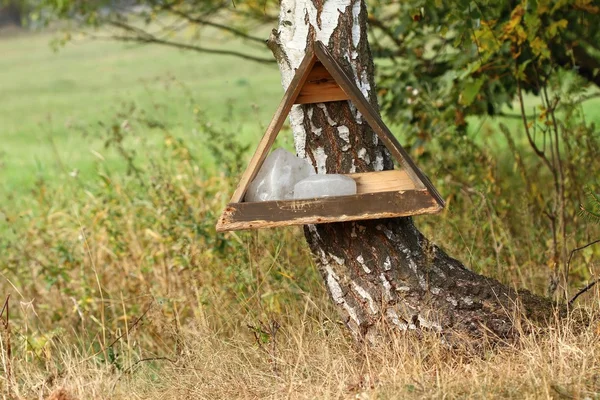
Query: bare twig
x=127, y=331
x=202, y=21
x=7, y=349
x=270, y=330
x=530, y=139
x=589, y=285
x=5, y=307
x=130, y=368
x=583, y=99
x=512, y=116
x=579, y=249
x=582, y=291
x=553, y=216
x=141, y=36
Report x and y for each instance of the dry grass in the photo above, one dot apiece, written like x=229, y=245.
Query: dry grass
x=311, y=356
x=121, y=289
x=312, y=362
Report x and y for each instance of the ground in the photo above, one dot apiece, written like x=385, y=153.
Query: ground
x=120, y=287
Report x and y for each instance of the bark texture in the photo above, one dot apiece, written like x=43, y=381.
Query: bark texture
x=383, y=273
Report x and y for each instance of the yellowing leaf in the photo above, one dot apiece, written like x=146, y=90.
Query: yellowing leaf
x=543, y=6
x=557, y=26
x=521, y=35
x=560, y=4
x=587, y=5
x=562, y=23
x=540, y=48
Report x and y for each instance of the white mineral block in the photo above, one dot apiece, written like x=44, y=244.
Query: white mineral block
x=277, y=176
x=324, y=185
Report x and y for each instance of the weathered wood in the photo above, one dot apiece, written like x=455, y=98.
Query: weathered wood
x=395, y=180
x=382, y=181
x=269, y=214
x=275, y=126
x=320, y=87
x=373, y=118
x=380, y=191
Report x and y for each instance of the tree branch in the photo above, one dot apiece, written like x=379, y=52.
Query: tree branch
x=582, y=291
x=579, y=249
x=202, y=21
x=587, y=65
x=584, y=63
x=144, y=37
x=385, y=29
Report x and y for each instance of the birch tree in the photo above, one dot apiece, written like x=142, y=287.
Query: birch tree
x=381, y=274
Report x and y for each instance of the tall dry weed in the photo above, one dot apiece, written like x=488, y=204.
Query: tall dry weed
x=120, y=288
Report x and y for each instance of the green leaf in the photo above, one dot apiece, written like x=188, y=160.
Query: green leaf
x=470, y=91
x=521, y=69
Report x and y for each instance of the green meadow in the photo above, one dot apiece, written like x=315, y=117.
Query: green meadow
x=56, y=107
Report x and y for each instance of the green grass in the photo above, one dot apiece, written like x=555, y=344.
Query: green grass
x=51, y=103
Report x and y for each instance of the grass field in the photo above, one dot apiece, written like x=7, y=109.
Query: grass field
x=51, y=102
x=120, y=287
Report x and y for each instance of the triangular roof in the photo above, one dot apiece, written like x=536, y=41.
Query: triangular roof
x=330, y=83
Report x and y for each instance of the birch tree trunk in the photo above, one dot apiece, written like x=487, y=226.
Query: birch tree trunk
x=382, y=274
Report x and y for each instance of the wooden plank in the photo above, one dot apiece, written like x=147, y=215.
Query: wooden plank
x=320, y=87
x=373, y=118
x=382, y=181
x=275, y=126
x=383, y=194
x=269, y=214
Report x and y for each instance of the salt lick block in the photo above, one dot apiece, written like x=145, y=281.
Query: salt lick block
x=276, y=178
x=324, y=186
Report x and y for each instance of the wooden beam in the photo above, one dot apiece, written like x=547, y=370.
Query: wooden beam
x=320, y=87
x=372, y=116
x=395, y=180
x=382, y=181
x=269, y=214
x=276, y=124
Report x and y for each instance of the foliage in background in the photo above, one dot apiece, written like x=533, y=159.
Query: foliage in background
x=439, y=65
x=470, y=56
x=451, y=61
x=128, y=266
x=120, y=285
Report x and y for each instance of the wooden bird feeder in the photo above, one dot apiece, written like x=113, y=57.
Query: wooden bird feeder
x=382, y=194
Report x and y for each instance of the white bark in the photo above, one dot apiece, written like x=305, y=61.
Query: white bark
x=295, y=19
